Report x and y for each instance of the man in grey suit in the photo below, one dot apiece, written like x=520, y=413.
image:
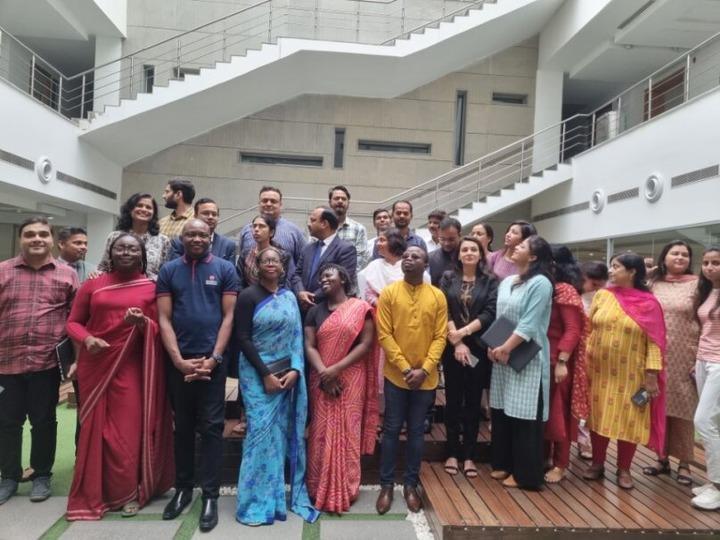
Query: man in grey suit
x=329, y=248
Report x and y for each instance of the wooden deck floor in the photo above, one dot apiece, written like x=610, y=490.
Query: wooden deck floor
x=470, y=508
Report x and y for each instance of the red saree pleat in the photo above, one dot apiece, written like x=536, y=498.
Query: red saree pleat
x=343, y=428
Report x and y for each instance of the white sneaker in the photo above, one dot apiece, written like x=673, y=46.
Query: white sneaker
x=699, y=489
x=708, y=499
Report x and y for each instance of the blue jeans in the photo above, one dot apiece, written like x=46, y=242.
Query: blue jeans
x=408, y=406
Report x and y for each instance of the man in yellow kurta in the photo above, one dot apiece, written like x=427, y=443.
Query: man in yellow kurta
x=411, y=325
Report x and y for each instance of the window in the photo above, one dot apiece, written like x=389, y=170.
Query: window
x=281, y=159
x=339, y=156
x=510, y=99
x=148, y=78
x=179, y=73
x=388, y=146
x=459, y=135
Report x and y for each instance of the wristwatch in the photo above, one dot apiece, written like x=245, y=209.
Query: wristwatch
x=218, y=358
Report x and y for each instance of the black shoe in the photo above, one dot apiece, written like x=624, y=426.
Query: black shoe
x=209, y=515
x=177, y=504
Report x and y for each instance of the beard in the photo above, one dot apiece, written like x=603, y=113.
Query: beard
x=171, y=204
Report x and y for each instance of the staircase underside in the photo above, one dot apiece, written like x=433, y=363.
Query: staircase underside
x=293, y=67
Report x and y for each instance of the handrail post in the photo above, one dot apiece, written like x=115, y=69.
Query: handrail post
x=402, y=18
x=563, y=131
x=357, y=22
x=315, y=17
x=178, y=58
x=132, y=75
x=270, y=18
x=649, y=98
x=619, y=114
x=60, y=88
x=687, y=77
x=592, y=131
x=32, y=76
x=82, y=97
x=522, y=159
x=224, y=42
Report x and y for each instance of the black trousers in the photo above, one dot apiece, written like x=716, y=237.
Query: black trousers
x=463, y=393
x=517, y=447
x=199, y=406
x=34, y=396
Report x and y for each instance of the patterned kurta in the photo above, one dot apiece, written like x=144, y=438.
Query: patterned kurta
x=683, y=333
x=618, y=354
x=528, y=306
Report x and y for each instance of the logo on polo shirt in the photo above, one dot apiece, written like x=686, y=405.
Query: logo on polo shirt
x=211, y=280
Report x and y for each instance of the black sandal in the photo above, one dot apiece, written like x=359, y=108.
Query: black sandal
x=654, y=470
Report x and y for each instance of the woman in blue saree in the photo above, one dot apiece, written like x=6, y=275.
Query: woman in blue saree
x=269, y=329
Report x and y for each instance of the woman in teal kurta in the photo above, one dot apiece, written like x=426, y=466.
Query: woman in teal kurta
x=520, y=401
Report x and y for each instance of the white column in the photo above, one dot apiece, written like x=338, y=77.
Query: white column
x=108, y=81
x=548, y=112
x=98, y=228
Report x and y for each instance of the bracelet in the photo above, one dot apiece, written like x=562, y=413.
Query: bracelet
x=427, y=373
x=561, y=361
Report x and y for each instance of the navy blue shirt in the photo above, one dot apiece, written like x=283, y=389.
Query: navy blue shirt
x=197, y=288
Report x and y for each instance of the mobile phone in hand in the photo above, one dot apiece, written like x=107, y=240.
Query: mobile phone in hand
x=640, y=398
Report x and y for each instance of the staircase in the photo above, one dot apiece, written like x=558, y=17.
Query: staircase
x=219, y=76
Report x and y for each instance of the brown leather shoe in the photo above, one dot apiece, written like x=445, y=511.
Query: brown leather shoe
x=412, y=498
x=384, y=500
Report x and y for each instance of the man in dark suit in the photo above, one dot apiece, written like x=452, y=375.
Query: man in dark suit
x=221, y=246
x=445, y=258
x=329, y=248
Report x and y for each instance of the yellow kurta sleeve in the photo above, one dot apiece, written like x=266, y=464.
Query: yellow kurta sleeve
x=439, y=335
x=653, y=357
x=393, y=354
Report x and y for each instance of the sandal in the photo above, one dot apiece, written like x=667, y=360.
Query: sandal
x=654, y=470
x=499, y=475
x=554, y=475
x=684, y=479
x=510, y=482
x=594, y=472
x=624, y=479
x=452, y=470
x=130, y=509
x=470, y=471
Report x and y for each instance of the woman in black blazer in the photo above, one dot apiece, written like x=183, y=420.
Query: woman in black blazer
x=471, y=294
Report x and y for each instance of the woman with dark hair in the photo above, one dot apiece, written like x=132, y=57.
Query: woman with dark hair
x=520, y=401
x=263, y=231
x=271, y=365
x=471, y=295
x=675, y=286
x=501, y=261
x=125, y=450
x=567, y=334
x=339, y=335
x=483, y=231
x=707, y=377
x=139, y=215
x=625, y=364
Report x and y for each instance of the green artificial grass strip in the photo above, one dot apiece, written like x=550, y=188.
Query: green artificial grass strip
x=117, y=516
x=311, y=531
x=64, y=455
x=57, y=530
x=364, y=517
x=190, y=521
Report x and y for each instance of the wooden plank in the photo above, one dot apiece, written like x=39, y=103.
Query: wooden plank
x=478, y=504
x=563, y=506
x=467, y=514
x=522, y=499
x=441, y=503
x=593, y=514
x=505, y=508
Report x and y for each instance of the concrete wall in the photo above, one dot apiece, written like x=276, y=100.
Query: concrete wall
x=681, y=141
x=307, y=126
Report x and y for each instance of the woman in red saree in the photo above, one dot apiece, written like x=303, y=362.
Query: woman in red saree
x=343, y=392
x=124, y=454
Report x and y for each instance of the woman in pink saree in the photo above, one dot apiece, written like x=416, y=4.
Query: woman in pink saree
x=343, y=392
x=124, y=453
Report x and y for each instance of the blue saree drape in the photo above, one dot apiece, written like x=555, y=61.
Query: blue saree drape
x=275, y=422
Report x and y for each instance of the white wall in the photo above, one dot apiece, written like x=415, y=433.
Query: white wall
x=680, y=141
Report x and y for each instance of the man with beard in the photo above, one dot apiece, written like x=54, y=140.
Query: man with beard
x=433, y=227
x=402, y=214
x=411, y=328
x=446, y=257
x=348, y=229
x=178, y=196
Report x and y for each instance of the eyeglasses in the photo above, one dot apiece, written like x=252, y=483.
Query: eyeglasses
x=268, y=262
x=133, y=250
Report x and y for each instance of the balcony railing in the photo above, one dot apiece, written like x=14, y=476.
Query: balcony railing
x=376, y=22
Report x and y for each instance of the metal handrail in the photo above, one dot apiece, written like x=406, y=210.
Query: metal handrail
x=439, y=19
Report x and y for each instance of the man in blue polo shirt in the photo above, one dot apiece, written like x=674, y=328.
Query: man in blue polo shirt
x=196, y=296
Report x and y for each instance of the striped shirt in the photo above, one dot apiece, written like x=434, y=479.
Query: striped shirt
x=287, y=235
x=172, y=225
x=34, y=306
x=354, y=233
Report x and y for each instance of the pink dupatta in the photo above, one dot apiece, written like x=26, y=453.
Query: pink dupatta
x=643, y=308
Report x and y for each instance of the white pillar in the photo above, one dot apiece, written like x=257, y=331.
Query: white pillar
x=98, y=228
x=108, y=81
x=548, y=112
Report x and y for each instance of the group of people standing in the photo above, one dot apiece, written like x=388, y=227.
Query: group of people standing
x=337, y=339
